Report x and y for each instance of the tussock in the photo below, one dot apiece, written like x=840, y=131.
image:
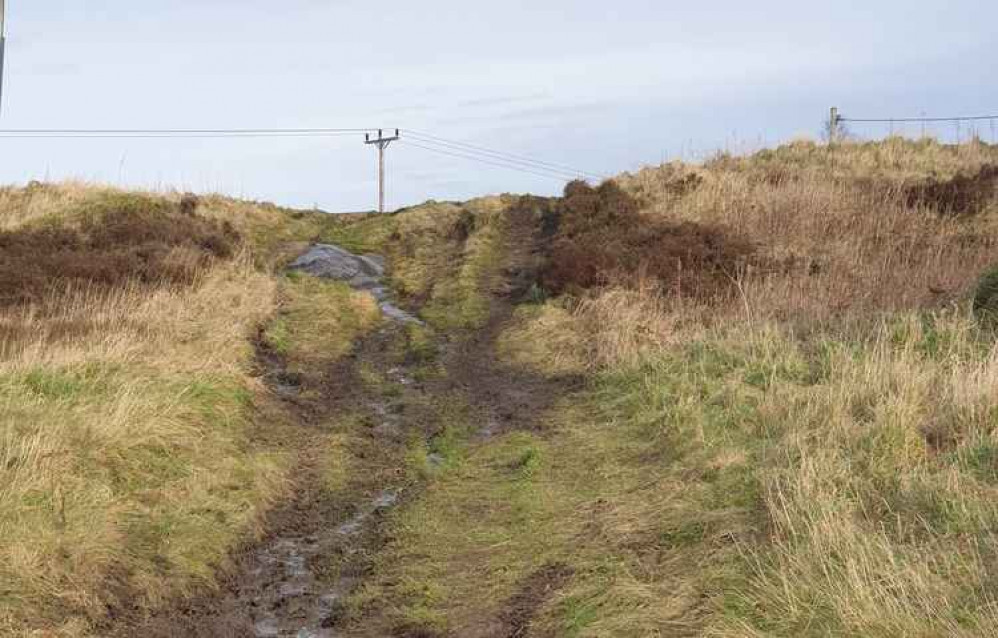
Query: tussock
x=962, y=194
x=839, y=231
x=124, y=410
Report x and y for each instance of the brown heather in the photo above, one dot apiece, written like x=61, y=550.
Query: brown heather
x=121, y=238
x=602, y=238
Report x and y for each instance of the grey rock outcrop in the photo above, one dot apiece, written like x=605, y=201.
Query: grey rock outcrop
x=362, y=272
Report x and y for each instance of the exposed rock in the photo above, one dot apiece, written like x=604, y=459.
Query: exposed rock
x=362, y=272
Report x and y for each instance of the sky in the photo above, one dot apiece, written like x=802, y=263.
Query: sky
x=602, y=87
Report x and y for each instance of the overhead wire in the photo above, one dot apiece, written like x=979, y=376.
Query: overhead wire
x=505, y=162
x=490, y=161
x=421, y=140
x=426, y=137
x=182, y=133
x=551, y=175
x=152, y=136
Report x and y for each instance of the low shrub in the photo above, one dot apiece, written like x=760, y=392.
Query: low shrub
x=602, y=238
x=122, y=238
x=962, y=194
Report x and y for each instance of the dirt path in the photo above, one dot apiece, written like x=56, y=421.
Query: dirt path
x=500, y=399
x=294, y=582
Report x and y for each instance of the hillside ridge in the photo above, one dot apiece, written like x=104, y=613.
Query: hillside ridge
x=753, y=396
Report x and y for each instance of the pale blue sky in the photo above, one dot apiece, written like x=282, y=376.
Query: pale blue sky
x=605, y=86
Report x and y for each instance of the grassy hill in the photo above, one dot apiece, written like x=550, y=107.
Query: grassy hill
x=751, y=397
x=788, y=425
x=128, y=465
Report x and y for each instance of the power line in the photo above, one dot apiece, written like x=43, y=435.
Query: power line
x=490, y=162
x=502, y=155
x=424, y=141
x=163, y=133
x=551, y=175
x=190, y=130
x=495, y=161
x=154, y=136
x=510, y=162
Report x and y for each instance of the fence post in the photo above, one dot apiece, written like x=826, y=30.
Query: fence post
x=833, y=125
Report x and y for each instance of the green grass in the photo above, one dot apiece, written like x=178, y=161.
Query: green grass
x=729, y=486
x=164, y=509
x=319, y=320
x=424, y=574
x=731, y=477
x=463, y=299
x=364, y=236
x=447, y=257
x=129, y=462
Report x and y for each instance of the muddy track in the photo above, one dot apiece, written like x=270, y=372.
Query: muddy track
x=502, y=399
x=293, y=582
x=507, y=398
x=319, y=546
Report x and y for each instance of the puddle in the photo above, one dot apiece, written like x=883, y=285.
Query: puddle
x=285, y=595
x=491, y=427
x=285, y=384
x=289, y=599
x=385, y=500
x=399, y=376
x=393, y=312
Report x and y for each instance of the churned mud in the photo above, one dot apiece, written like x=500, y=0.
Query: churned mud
x=294, y=583
x=288, y=597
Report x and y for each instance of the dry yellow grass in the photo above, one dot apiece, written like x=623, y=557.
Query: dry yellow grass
x=446, y=256
x=124, y=463
x=813, y=457
x=752, y=483
x=21, y=206
x=128, y=470
x=841, y=235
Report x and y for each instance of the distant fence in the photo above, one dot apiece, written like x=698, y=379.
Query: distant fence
x=963, y=127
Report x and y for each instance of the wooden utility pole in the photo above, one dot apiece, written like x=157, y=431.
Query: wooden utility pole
x=3, y=44
x=382, y=143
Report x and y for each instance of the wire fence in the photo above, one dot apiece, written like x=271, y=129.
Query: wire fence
x=956, y=128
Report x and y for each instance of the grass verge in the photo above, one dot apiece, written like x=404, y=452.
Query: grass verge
x=131, y=456
x=125, y=458
x=318, y=321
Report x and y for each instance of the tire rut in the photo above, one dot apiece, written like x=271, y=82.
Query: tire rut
x=293, y=583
